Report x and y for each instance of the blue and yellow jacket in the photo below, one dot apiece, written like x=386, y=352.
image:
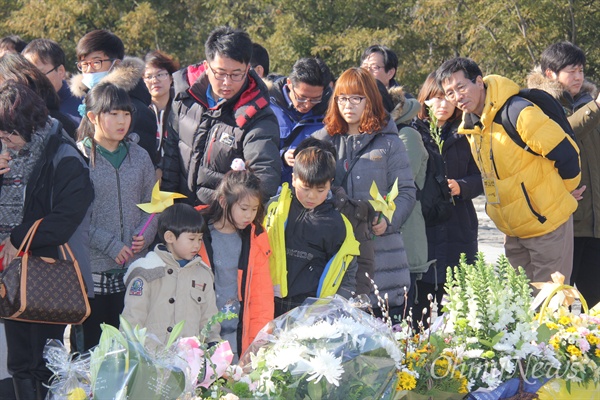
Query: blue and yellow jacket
x=339, y=270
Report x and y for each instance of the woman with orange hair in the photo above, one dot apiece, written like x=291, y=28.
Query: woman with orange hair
x=369, y=150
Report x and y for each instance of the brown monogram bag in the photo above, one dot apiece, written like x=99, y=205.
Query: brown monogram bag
x=42, y=289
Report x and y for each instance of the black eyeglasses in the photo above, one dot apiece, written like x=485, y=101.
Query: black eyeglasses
x=53, y=69
x=94, y=65
x=461, y=88
x=356, y=100
x=301, y=100
x=220, y=76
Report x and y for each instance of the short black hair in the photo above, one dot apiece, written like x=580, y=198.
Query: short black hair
x=390, y=59
x=314, y=166
x=260, y=56
x=314, y=142
x=309, y=71
x=466, y=65
x=45, y=50
x=100, y=40
x=12, y=43
x=560, y=55
x=180, y=218
x=21, y=110
x=230, y=43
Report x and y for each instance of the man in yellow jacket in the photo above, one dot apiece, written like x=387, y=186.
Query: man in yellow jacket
x=528, y=194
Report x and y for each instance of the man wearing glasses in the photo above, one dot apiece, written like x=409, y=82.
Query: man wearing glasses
x=528, y=193
x=382, y=63
x=220, y=112
x=101, y=58
x=49, y=57
x=299, y=102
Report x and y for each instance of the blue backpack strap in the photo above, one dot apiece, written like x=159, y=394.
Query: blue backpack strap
x=508, y=115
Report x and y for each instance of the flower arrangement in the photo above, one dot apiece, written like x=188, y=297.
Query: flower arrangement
x=490, y=328
x=324, y=349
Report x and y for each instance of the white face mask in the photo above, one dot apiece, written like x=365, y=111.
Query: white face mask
x=92, y=79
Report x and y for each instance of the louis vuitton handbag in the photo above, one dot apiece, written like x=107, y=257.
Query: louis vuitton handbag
x=42, y=289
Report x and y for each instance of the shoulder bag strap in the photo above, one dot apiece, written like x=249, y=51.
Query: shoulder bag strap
x=354, y=161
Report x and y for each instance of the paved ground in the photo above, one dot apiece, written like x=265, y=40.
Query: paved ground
x=491, y=240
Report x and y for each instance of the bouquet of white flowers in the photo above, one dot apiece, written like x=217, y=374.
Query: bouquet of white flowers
x=490, y=327
x=325, y=349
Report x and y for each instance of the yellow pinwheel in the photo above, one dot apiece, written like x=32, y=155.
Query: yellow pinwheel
x=384, y=205
x=158, y=202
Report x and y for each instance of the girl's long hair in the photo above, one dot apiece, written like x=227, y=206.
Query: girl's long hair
x=102, y=98
x=235, y=186
x=356, y=81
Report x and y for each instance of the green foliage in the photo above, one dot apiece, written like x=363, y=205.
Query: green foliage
x=505, y=38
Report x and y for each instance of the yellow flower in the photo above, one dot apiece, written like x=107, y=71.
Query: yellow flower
x=574, y=350
x=406, y=381
x=592, y=339
x=571, y=329
x=552, y=325
x=564, y=320
x=597, y=352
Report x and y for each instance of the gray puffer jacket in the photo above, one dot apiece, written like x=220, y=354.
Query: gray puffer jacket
x=383, y=161
x=115, y=216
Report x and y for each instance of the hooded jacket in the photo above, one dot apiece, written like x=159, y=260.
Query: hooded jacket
x=202, y=141
x=584, y=116
x=413, y=229
x=321, y=240
x=534, y=190
x=128, y=75
x=160, y=293
x=294, y=126
x=384, y=160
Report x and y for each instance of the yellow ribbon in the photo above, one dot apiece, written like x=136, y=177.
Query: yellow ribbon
x=386, y=205
x=159, y=200
x=556, y=294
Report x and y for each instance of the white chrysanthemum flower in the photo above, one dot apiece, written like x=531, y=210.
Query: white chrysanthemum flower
x=507, y=364
x=325, y=364
x=286, y=356
x=492, y=378
x=320, y=330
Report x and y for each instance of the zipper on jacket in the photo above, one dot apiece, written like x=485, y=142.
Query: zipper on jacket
x=340, y=273
x=539, y=216
x=120, y=205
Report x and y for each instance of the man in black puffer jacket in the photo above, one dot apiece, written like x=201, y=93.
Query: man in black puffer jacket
x=220, y=112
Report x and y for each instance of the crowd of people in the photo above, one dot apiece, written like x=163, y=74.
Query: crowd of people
x=277, y=173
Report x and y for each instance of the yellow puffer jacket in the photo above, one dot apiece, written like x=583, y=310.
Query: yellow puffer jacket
x=534, y=198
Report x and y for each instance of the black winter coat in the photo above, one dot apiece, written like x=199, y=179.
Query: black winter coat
x=202, y=142
x=59, y=191
x=459, y=234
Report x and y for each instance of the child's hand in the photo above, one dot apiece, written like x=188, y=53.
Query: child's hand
x=379, y=228
x=137, y=244
x=124, y=255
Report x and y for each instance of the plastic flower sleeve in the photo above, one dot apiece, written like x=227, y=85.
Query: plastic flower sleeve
x=124, y=367
x=323, y=349
x=71, y=379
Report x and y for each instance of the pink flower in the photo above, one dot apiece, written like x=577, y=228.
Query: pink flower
x=221, y=359
x=584, y=345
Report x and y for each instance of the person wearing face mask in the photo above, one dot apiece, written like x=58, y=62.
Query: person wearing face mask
x=101, y=58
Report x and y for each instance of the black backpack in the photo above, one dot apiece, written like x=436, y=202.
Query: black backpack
x=509, y=113
x=435, y=194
